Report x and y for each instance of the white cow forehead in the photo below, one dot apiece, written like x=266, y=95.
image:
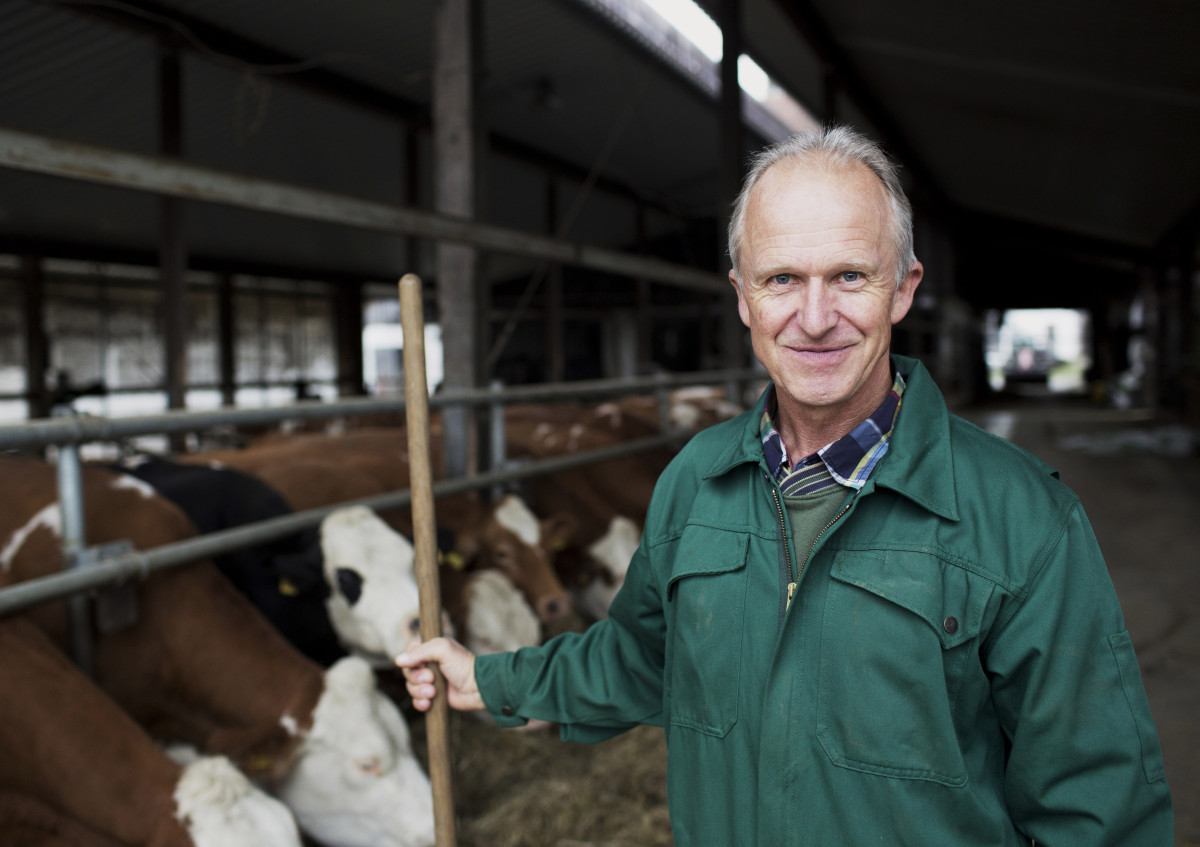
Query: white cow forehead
x=132, y=483
x=616, y=547
x=512, y=514
x=49, y=517
x=359, y=537
x=217, y=805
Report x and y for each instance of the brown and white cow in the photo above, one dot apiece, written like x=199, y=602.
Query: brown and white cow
x=75, y=767
x=312, y=470
x=606, y=500
x=202, y=666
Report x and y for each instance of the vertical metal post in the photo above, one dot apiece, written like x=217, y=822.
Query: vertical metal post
x=348, y=331
x=498, y=445
x=555, y=329
x=37, y=355
x=664, y=405
x=456, y=144
x=227, y=340
x=732, y=141
x=172, y=246
x=70, y=504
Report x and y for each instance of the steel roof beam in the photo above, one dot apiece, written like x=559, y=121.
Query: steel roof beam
x=40, y=154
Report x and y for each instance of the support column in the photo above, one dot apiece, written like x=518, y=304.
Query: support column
x=172, y=247
x=412, y=191
x=37, y=353
x=556, y=355
x=455, y=155
x=226, y=340
x=732, y=331
x=1189, y=401
x=644, y=318
x=348, y=329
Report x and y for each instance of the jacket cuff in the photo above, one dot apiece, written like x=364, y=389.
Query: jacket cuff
x=490, y=676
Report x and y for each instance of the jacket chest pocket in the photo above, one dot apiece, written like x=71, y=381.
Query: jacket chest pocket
x=899, y=651
x=706, y=598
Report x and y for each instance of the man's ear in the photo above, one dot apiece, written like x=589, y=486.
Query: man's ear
x=903, y=299
x=743, y=310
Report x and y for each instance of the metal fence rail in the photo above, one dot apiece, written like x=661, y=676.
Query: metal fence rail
x=139, y=564
x=135, y=564
x=78, y=430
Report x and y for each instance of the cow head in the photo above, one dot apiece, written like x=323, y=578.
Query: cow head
x=498, y=619
x=512, y=540
x=219, y=807
x=608, y=560
x=356, y=782
x=373, y=601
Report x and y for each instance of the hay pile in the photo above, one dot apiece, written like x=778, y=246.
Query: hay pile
x=529, y=789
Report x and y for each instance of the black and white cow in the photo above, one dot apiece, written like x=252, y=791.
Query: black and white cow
x=347, y=587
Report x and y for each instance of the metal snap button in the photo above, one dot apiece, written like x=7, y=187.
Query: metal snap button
x=507, y=711
x=950, y=624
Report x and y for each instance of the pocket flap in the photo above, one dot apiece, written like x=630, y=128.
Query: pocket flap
x=703, y=550
x=950, y=599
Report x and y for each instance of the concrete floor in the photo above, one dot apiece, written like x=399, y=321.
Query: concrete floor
x=1139, y=480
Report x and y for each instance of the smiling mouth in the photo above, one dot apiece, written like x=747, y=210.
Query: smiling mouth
x=817, y=351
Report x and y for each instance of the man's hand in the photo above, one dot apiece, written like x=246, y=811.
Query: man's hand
x=457, y=664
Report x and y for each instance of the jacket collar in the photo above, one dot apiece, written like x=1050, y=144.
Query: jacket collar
x=919, y=464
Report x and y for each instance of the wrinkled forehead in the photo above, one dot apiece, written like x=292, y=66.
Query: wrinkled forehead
x=801, y=202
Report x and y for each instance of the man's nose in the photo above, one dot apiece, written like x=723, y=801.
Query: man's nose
x=816, y=308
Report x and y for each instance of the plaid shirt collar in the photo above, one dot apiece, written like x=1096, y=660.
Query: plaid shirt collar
x=848, y=461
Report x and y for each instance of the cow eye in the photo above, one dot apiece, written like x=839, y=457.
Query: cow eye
x=414, y=626
x=349, y=583
x=370, y=765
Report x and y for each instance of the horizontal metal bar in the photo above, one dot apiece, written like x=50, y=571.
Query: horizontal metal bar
x=77, y=430
x=90, y=163
x=141, y=564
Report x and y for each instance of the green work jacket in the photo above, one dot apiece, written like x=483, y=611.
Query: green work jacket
x=953, y=671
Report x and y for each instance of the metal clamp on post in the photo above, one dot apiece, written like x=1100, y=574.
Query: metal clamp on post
x=116, y=607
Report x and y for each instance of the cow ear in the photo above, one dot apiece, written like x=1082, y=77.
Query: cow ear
x=303, y=569
x=264, y=753
x=468, y=543
x=558, y=531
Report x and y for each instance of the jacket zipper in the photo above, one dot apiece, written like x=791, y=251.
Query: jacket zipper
x=794, y=579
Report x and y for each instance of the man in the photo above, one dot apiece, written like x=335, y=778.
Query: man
x=859, y=618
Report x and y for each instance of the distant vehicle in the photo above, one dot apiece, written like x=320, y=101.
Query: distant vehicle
x=1029, y=363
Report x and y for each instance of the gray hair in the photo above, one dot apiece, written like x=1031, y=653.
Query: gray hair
x=838, y=145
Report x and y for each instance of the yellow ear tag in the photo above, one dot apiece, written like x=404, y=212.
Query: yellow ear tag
x=287, y=588
x=454, y=560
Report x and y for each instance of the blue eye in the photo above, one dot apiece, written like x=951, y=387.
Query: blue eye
x=851, y=276
x=781, y=279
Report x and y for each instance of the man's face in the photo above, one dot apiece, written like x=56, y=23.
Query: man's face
x=818, y=288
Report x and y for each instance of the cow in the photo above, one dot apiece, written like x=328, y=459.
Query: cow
x=346, y=586
x=606, y=501
x=202, y=666
x=75, y=767
x=607, y=559
x=489, y=614
x=314, y=470
x=25, y=821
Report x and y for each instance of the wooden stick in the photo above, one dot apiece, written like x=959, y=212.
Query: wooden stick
x=416, y=405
